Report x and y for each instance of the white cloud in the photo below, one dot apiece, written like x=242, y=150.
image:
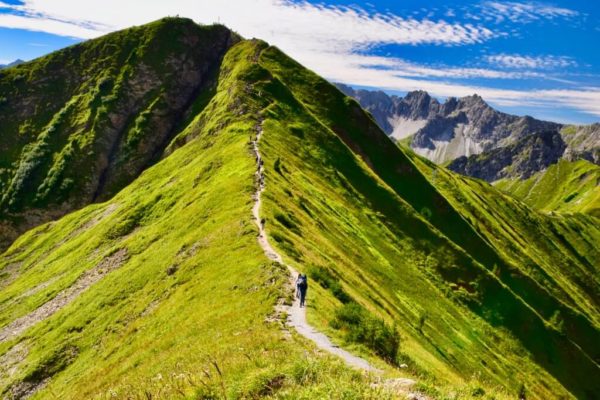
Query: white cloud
x=523, y=12
x=407, y=69
x=531, y=62
x=48, y=25
x=330, y=40
x=353, y=71
x=263, y=18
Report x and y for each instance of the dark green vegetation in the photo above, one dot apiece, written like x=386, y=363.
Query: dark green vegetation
x=567, y=186
x=478, y=294
x=82, y=123
x=361, y=327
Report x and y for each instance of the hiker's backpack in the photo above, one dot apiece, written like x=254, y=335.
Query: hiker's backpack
x=302, y=281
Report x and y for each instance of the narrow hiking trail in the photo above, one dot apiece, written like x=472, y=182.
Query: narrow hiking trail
x=296, y=314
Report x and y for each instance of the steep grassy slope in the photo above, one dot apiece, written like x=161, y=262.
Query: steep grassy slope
x=567, y=186
x=184, y=308
x=526, y=307
x=80, y=124
x=381, y=265
x=180, y=298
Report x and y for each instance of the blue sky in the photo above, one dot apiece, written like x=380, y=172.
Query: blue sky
x=525, y=57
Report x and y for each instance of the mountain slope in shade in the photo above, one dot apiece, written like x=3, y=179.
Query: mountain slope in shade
x=567, y=186
x=522, y=159
x=80, y=124
x=163, y=289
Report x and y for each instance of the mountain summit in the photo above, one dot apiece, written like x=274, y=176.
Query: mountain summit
x=171, y=173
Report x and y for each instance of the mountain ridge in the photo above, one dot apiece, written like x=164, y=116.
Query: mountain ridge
x=483, y=294
x=119, y=122
x=467, y=127
x=18, y=61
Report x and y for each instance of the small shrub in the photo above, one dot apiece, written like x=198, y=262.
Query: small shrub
x=361, y=327
x=327, y=281
x=426, y=213
x=477, y=392
x=277, y=166
x=287, y=221
x=422, y=320
x=426, y=389
x=105, y=84
x=570, y=197
x=298, y=132
x=264, y=383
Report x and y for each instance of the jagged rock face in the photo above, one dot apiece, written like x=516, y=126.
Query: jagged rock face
x=583, y=142
x=90, y=118
x=456, y=128
x=529, y=155
x=468, y=127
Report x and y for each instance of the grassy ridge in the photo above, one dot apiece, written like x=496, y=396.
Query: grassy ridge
x=184, y=315
x=488, y=297
x=567, y=186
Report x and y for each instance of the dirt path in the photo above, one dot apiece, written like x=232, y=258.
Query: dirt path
x=296, y=315
x=64, y=297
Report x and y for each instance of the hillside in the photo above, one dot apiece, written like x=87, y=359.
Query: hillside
x=82, y=123
x=520, y=160
x=567, y=186
x=160, y=289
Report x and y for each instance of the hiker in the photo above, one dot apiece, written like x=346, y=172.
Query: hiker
x=298, y=285
x=302, y=286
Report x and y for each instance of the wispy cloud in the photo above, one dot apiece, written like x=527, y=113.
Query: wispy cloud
x=532, y=62
x=330, y=23
x=523, y=12
x=353, y=71
x=334, y=41
x=422, y=71
x=48, y=25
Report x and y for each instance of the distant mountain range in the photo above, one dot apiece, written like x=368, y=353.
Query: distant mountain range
x=475, y=139
x=12, y=64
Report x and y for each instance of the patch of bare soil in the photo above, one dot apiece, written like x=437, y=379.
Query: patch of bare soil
x=10, y=362
x=66, y=296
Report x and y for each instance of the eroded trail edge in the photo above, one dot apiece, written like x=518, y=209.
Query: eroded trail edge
x=296, y=314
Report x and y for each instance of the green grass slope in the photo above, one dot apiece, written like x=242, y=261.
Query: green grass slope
x=80, y=124
x=185, y=311
x=497, y=285
x=486, y=297
x=567, y=186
